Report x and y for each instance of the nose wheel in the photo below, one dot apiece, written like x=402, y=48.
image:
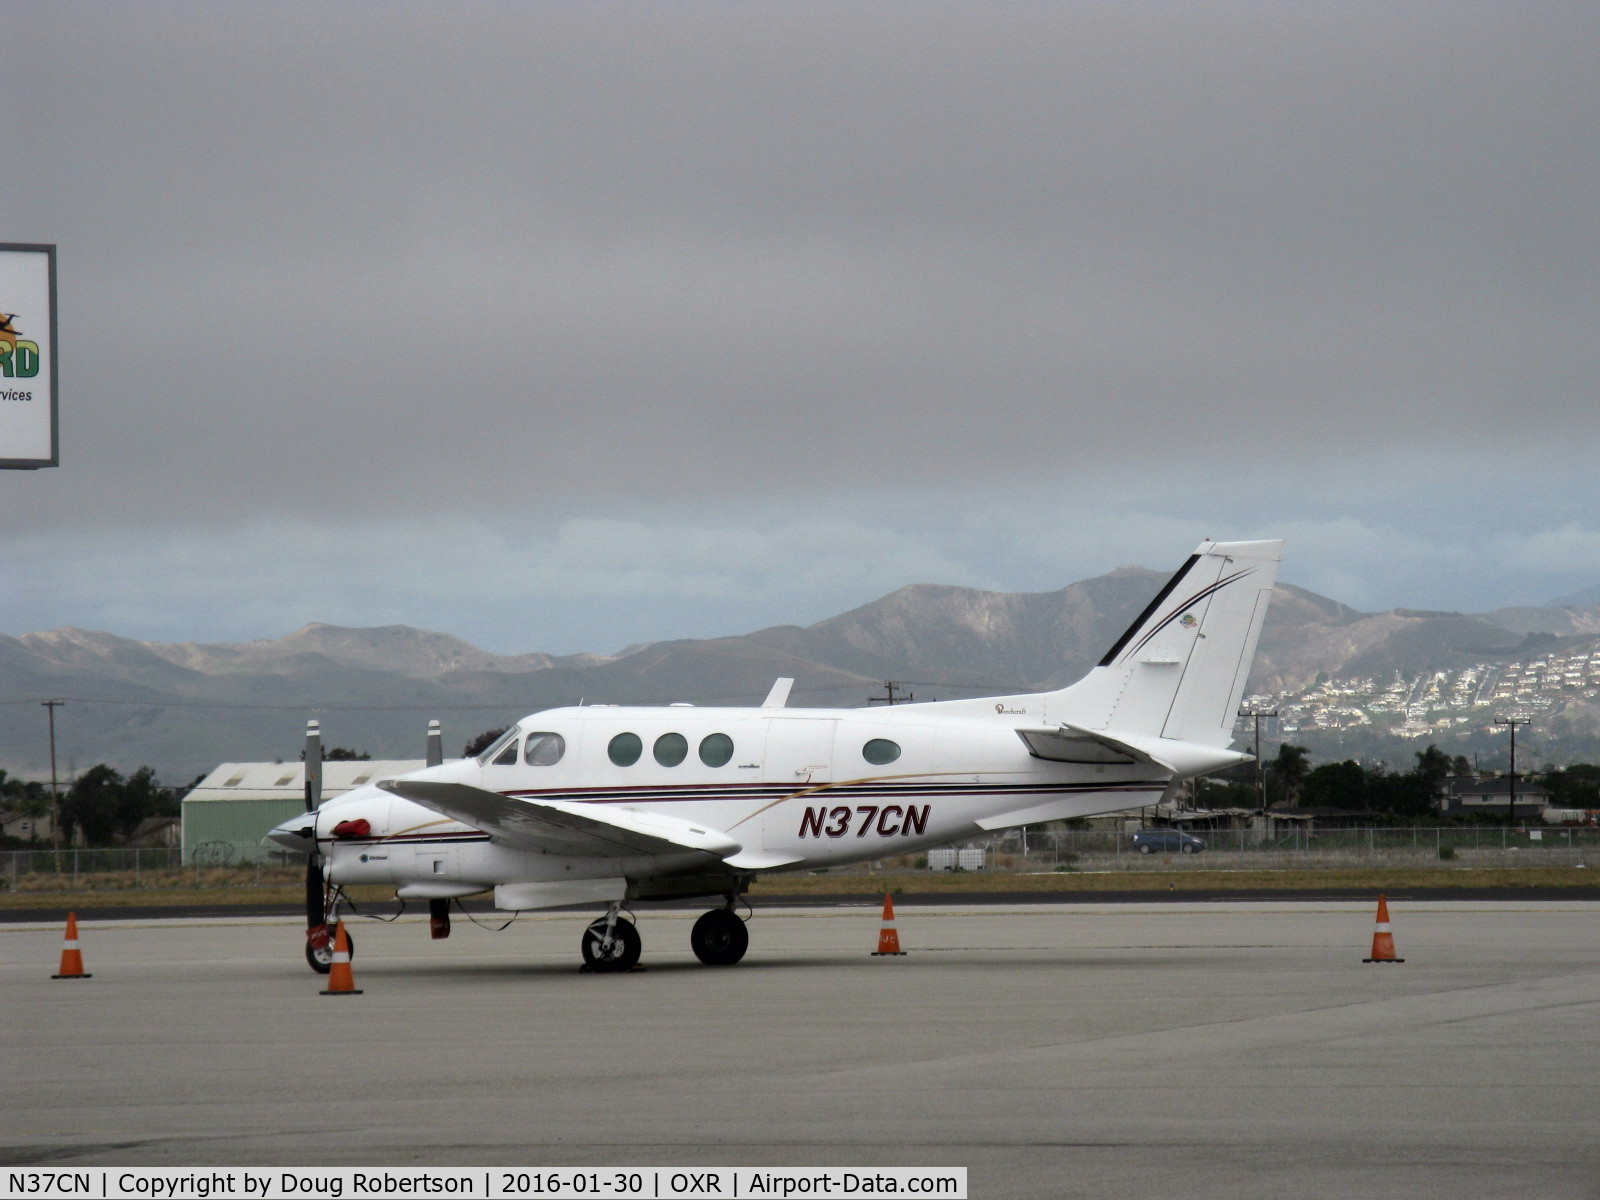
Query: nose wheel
x=719, y=938
x=611, y=944
x=319, y=948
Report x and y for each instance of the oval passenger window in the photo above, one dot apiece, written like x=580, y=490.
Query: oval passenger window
x=625, y=749
x=716, y=749
x=880, y=751
x=671, y=749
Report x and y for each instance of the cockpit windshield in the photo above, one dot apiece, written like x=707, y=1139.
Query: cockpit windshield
x=507, y=738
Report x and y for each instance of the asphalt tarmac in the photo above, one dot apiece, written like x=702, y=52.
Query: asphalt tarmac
x=1237, y=1049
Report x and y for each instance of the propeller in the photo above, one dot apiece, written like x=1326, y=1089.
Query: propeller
x=317, y=936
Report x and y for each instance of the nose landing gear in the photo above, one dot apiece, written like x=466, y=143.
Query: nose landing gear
x=611, y=943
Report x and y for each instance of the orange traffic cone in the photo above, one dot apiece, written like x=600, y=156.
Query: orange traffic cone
x=71, y=956
x=340, y=981
x=1383, y=937
x=888, y=939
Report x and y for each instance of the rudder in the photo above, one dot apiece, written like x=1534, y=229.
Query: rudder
x=1179, y=670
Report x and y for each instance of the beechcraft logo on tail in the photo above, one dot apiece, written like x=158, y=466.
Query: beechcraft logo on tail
x=19, y=357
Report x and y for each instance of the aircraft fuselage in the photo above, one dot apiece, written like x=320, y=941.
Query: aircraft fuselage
x=795, y=788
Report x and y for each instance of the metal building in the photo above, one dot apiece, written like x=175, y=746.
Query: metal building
x=228, y=813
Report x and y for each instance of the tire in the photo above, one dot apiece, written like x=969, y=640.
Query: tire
x=623, y=952
x=321, y=961
x=1189, y=849
x=719, y=938
x=1144, y=849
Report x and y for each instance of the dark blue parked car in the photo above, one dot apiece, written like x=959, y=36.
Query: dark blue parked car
x=1167, y=841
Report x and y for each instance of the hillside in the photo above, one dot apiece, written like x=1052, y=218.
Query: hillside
x=184, y=707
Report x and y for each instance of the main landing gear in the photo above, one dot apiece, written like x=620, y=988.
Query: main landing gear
x=719, y=939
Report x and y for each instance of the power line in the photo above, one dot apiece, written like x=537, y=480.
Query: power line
x=445, y=706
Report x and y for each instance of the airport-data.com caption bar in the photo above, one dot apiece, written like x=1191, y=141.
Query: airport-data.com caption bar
x=492, y=1183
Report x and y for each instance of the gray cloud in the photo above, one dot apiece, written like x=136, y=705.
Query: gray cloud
x=338, y=282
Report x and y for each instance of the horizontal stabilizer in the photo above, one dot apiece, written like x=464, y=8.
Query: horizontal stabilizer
x=559, y=827
x=1071, y=743
x=1074, y=745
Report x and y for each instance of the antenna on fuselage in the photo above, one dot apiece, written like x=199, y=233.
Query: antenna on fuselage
x=779, y=695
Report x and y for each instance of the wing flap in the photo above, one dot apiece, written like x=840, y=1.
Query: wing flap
x=561, y=827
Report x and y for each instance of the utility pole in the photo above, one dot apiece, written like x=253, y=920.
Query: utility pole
x=1511, y=802
x=55, y=801
x=890, y=698
x=1261, y=783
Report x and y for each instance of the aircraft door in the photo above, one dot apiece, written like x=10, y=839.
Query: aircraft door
x=799, y=758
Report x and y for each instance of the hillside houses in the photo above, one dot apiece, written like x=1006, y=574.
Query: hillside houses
x=1438, y=701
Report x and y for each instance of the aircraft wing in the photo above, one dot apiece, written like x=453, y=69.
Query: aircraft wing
x=561, y=827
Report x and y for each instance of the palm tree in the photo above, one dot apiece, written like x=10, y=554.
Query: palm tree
x=1288, y=771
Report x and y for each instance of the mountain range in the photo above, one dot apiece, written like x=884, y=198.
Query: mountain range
x=183, y=707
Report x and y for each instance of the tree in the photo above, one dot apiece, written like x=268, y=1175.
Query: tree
x=1409, y=795
x=1433, y=768
x=482, y=742
x=104, y=807
x=1577, y=786
x=1337, y=785
x=1286, y=773
x=143, y=797
x=90, y=806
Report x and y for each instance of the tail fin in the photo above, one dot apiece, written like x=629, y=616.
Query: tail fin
x=1179, y=671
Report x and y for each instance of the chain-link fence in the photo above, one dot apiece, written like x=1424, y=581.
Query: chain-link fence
x=210, y=864
x=1297, y=848
x=224, y=864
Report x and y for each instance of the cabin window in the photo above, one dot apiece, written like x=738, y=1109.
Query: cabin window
x=544, y=749
x=880, y=752
x=492, y=754
x=625, y=749
x=671, y=749
x=716, y=749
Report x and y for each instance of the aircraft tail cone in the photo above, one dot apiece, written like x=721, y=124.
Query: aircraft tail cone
x=1383, y=937
x=340, y=980
x=888, y=939
x=71, y=956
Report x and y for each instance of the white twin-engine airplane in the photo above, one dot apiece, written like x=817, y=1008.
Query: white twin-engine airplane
x=609, y=804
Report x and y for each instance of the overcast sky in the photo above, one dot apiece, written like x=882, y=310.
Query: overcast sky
x=566, y=326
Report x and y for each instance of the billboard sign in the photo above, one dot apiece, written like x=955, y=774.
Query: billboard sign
x=27, y=356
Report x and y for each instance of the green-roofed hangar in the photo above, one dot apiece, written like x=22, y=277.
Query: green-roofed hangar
x=227, y=814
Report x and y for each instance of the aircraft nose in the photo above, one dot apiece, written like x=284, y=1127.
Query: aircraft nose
x=298, y=833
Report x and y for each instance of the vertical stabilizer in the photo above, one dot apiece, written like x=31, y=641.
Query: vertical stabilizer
x=1179, y=670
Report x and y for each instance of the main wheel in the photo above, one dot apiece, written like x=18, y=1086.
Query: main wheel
x=719, y=938
x=321, y=959
x=622, y=951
